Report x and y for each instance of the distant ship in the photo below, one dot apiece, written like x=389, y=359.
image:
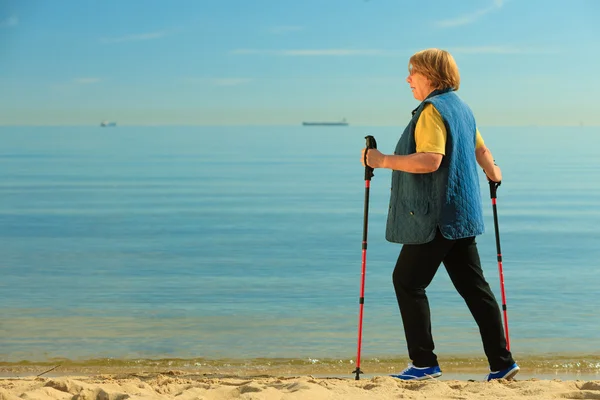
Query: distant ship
x=107, y=123
x=338, y=123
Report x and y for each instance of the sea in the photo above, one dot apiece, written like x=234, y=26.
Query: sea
x=242, y=244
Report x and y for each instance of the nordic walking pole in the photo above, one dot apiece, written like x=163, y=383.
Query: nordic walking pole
x=371, y=144
x=493, y=189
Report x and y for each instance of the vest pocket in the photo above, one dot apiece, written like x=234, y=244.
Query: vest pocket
x=416, y=208
x=410, y=222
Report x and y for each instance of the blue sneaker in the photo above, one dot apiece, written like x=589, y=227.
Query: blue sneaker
x=507, y=373
x=413, y=373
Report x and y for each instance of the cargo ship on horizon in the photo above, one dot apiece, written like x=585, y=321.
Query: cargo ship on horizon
x=343, y=122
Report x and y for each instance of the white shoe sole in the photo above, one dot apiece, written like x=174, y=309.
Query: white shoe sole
x=421, y=378
x=510, y=374
x=432, y=376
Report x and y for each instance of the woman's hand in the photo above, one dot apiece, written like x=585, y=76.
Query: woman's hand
x=375, y=158
x=486, y=162
x=495, y=175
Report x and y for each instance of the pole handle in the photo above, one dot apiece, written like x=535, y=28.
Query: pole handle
x=493, y=188
x=371, y=144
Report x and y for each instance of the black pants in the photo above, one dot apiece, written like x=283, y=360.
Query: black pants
x=415, y=269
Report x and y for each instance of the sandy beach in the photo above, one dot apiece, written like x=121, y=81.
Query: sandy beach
x=104, y=382
x=180, y=385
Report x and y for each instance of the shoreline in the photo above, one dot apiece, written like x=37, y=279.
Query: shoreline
x=548, y=366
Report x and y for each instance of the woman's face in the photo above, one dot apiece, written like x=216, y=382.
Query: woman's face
x=420, y=85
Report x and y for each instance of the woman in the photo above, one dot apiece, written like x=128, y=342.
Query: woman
x=436, y=212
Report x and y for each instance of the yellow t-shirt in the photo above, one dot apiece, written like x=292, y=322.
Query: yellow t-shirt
x=430, y=132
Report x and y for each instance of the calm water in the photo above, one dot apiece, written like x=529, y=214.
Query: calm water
x=244, y=242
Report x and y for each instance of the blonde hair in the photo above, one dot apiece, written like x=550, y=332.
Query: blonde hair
x=436, y=65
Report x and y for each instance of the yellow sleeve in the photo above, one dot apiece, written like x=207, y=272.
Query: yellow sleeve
x=478, y=140
x=430, y=132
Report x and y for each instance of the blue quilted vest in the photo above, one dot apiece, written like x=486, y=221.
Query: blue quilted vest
x=449, y=198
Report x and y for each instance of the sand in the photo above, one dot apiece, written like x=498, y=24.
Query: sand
x=183, y=385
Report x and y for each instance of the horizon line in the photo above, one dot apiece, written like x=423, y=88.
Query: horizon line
x=299, y=124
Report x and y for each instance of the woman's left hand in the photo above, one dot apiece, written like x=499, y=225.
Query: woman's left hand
x=375, y=158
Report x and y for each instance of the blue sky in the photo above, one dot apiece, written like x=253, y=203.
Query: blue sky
x=201, y=62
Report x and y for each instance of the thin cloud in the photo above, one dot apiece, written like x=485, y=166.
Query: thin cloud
x=313, y=52
x=86, y=81
x=470, y=17
x=501, y=50
x=230, y=81
x=219, y=81
x=135, y=37
x=279, y=30
x=10, y=22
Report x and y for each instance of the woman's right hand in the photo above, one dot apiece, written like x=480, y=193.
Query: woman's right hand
x=374, y=158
